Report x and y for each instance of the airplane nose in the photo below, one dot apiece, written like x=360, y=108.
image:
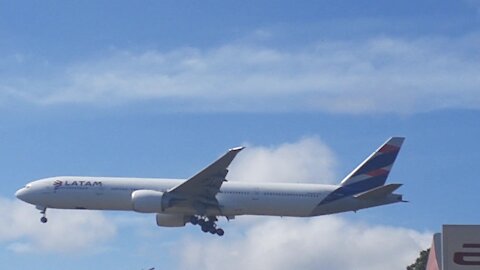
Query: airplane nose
x=20, y=194
x=26, y=194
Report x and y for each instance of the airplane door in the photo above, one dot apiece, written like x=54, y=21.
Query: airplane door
x=256, y=195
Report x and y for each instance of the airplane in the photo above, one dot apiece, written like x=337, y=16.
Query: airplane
x=207, y=195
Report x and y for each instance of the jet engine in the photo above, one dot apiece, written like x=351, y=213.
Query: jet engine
x=149, y=201
x=171, y=220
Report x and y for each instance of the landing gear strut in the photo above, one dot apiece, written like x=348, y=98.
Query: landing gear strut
x=43, y=211
x=207, y=224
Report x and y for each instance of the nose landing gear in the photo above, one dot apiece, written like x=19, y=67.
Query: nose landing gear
x=207, y=224
x=43, y=211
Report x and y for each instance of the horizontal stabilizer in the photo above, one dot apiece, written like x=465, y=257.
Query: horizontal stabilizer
x=379, y=192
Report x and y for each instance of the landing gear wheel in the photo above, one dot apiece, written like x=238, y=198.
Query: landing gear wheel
x=220, y=232
x=208, y=224
x=43, y=211
x=194, y=220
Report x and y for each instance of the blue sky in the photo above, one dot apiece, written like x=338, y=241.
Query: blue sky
x=162, y=88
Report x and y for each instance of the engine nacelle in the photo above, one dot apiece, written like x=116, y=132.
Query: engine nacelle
x=149, y=201
x=171, y=220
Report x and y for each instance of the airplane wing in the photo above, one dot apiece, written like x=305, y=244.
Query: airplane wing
x=203, y=186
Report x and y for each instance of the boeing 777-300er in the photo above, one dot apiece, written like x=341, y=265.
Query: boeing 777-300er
x=207, y=195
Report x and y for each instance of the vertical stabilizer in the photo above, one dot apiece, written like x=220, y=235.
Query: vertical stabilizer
x=373, y=172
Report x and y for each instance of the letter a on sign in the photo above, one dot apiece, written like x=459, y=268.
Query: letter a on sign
x=461, y=247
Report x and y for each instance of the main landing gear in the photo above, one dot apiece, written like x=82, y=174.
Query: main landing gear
x=207, y=224
x=43, y=211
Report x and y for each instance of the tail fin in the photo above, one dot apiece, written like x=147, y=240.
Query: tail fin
x=373, y=172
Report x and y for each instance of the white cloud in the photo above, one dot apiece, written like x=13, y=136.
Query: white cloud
x=308, y=160
x=382, y=74
x=317, y=243
x=66, y=230
x=329, y=242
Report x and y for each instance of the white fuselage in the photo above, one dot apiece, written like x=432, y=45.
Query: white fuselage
x=206, y=195
x=234, y=198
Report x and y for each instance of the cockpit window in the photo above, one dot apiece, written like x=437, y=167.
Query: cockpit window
x=28, y=186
